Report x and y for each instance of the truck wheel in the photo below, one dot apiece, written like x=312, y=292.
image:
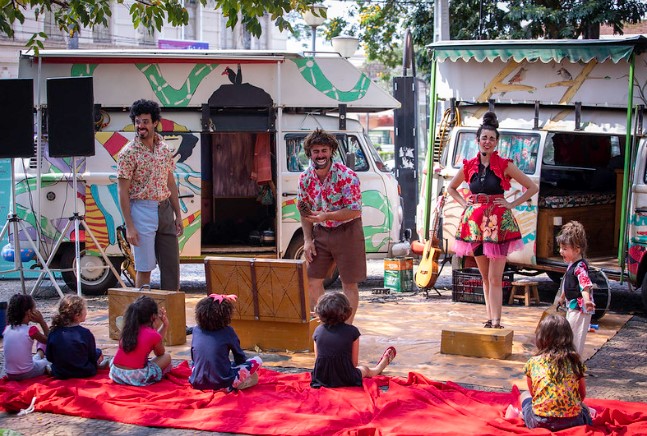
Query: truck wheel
x=95, y=279
x=295, y=251
x=601, y=293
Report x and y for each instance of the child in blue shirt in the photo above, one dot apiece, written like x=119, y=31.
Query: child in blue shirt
x=213, y=339
x=71, y=348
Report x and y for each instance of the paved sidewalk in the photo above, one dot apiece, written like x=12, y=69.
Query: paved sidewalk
x=618, y=367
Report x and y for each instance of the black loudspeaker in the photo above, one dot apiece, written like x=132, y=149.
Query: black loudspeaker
x=70, y=116
x=16, y=118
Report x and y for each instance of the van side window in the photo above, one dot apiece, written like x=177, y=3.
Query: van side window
x=522, y=148
x=350, y=144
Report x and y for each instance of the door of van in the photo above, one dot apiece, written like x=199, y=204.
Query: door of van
x=523, y=147
x=637, y=216
x=377, y=210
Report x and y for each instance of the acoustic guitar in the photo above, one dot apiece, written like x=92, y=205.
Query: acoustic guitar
x=428, y=269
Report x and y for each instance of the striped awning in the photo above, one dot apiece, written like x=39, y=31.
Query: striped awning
x=579, y=50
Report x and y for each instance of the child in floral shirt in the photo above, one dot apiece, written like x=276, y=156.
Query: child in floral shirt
x=576, y=287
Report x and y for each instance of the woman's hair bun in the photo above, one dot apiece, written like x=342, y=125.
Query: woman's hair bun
x=489, y=119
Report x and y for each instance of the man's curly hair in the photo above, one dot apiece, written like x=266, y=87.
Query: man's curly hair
x=145, y=107
x=320, y=137
x=212, y=315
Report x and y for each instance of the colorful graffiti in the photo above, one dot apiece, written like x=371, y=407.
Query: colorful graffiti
x=312, y=73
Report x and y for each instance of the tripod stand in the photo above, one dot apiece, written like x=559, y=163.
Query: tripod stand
x=77, y=221
x=15, y=223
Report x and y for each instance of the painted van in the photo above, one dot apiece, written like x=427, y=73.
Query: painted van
x=236, y=122
x=570, y=116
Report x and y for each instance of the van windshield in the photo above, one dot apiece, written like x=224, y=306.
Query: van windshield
x=522, y=148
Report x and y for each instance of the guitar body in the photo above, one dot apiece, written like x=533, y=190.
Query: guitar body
x=428, y=269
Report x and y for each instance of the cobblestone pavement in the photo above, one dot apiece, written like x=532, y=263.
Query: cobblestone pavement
x=618, y=370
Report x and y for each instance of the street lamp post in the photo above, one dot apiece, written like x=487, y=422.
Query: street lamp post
x=314, y=18
x=345, y=45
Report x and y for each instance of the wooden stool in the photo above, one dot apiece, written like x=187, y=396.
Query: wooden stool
x=527, y=286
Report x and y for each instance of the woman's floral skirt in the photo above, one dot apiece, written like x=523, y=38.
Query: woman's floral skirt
x=494, y=227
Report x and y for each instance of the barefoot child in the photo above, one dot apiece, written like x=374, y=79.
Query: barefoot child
x=70, y=347
x=577, y=289
x=555, y=377
x=213, y=339
x=337, y=346
x=19, y=338
x=131, y=365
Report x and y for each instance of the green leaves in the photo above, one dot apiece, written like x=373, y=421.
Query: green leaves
x=70, y=16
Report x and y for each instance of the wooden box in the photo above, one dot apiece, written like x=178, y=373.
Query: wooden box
x=477, y=342
x=273, y=306
x=120, y=298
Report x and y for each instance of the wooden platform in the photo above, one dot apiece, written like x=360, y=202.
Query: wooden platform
x=272, y=311
x=477, y=342
x=120, y=298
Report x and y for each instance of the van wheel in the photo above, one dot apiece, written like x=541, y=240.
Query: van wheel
x=95, y=278
x=295, y=251
x=555, y=276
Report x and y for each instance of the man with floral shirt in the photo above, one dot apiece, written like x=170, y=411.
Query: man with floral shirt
x=148, y=197
x=330, y=201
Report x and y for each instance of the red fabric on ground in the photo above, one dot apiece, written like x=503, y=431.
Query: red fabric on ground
x=285, y=404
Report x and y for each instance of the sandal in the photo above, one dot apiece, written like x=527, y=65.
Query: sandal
x=389, y=354
x=497, y=325
x=488, y=324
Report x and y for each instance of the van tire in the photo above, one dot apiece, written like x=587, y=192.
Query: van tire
x=295, y=251
x=93, y=282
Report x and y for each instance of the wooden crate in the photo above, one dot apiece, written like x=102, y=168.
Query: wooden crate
x=477, y=342
x=120, y=298
x=272, y=310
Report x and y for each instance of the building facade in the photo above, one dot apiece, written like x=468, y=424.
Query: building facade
x=206, y=28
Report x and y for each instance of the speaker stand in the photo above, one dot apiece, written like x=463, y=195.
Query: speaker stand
x=77, y=221
x=15, y=224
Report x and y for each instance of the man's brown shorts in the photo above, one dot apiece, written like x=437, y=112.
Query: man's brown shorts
x=343, y=245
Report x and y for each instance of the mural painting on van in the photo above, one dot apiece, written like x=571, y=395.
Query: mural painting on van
x=102, y=211
x=375, y=209
x=637, y=247
x=311, y=71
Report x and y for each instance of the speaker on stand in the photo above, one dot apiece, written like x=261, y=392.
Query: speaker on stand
x=70, y=124
x=17, y=141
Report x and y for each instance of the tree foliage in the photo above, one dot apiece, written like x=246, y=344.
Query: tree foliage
x=382, y=23
x=72, y=15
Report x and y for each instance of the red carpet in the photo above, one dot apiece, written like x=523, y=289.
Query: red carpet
x=285, y=404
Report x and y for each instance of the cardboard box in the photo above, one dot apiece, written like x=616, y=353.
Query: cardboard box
x=398, y=274
x=477, y=342
x=273, y=307
x=120, y=298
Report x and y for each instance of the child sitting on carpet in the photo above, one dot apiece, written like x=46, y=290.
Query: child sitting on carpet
x=212, y=340
x=131, y=365
x=555, y=377
x=19, y=337
x=70, y=347
x=337, y=346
